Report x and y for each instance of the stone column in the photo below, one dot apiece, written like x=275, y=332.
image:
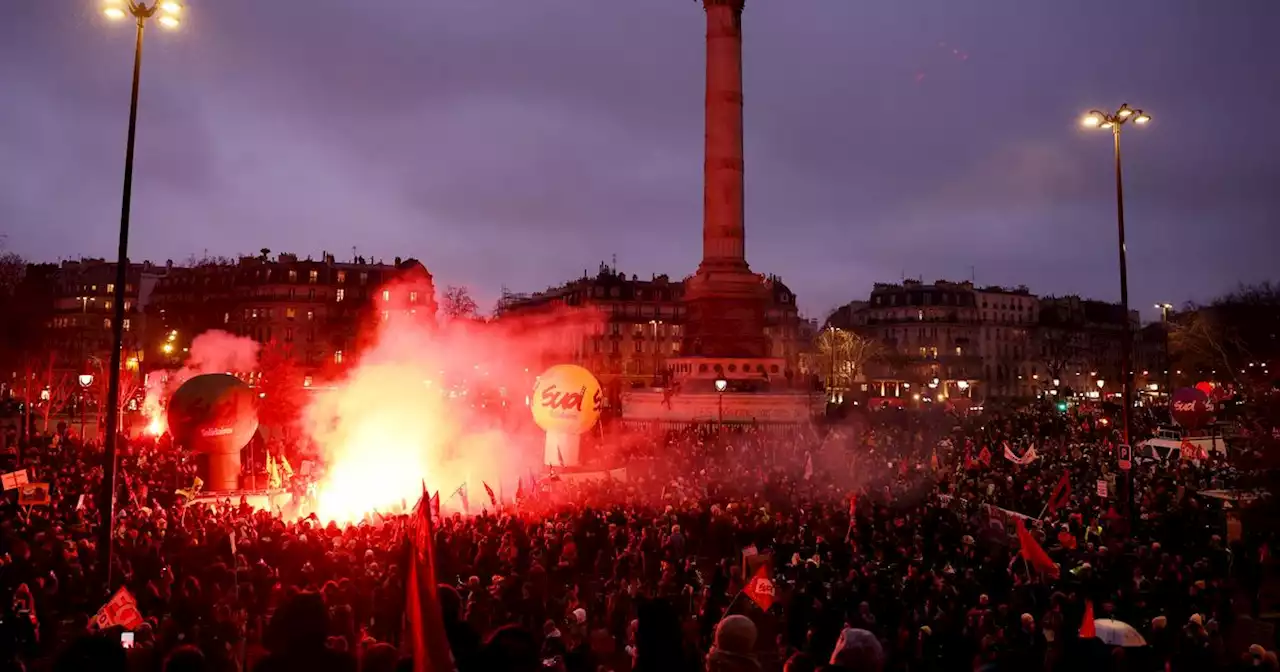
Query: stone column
x=722, y=226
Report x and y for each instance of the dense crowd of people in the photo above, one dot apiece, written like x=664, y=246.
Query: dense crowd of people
x=894, y=541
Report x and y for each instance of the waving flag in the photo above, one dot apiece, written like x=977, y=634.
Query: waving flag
x=760, y=587
x=1033, y=553
x=1061, y=494
x=488, y=490
x=424, y=620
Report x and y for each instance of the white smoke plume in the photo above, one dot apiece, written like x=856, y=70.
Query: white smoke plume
x=213, y=351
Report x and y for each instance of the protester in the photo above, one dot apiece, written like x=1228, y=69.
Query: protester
x=899, y=541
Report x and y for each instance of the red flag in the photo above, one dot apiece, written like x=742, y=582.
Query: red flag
x=1033, y=553
x=760, y=587
x=435, y=505
x=492, y=500
x=985, y=457
x=1061, y=493
x=933, y=461
x=424, y=621
x=1087, y=631
x=853, y=506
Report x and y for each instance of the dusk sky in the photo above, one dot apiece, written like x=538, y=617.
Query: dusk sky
x=517, y=142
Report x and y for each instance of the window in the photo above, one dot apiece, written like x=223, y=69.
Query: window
x=386, y=315
x=288, y=335
x=106, y=323
x=337, y=356
x=340, y=295
x=364, y=277
x=639, y=346
x=413, y=297
x=311, y=315
x=126, y=324
x=226, y=317
x=111, y=287
x=311, y=295
x=290, y=313
x=255, y=313
x=342, y=277
x=106, y=305
x=293, y=276
x=128, y=305
x=386, y=295
x=313, y=276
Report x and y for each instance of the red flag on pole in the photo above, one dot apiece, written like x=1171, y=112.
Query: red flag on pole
x=492, y=500
x=760, y=588
x=1061, y=493
x=424, y=621
x=985, y=457
x=1087, y=630
x=1033, y=553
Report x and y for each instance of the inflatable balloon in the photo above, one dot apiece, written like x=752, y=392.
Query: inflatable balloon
x=215, y=415
x=567, y=399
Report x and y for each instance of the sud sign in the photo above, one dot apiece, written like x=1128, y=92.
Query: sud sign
x=566, y=403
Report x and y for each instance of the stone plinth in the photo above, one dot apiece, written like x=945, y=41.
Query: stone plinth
x=657, y=407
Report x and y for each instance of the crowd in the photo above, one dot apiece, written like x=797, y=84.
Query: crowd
x=892, y=542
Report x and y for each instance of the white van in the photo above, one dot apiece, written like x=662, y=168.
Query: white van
x=1168, y=440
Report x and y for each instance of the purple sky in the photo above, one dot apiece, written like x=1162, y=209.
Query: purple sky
x=516, y=143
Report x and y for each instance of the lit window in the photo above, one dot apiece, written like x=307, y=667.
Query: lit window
x=290, y=313
x=342, y=276
x=111, y=287
x=341, y=294
x=337, y=356
x=293, y=276
x=126, y=324
x=313, y=276
x=386, y=295
x=413, y=297
x=226, y=317
x=255, y=313
x=106, y=305
x=311, y=315
x=106, y=323
x=386, y=315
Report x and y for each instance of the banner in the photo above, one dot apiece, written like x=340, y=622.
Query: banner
x=121, y=610
x=14, y=479
x=33, y=494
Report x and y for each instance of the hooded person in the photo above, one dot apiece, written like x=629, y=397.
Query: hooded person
x=858, y=649
x=734, y=648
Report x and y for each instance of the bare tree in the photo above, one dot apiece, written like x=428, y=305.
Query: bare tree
x=842, y=354
x=457, y=304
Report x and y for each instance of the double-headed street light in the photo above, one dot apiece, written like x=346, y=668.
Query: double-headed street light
x=167, y=13
x=1114, y=122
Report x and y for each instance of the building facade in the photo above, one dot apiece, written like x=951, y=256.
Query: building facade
x=1006, y=340
x=624, y=328
x=1079, y=345
x=319, y=311
x=80, y=329
x=929, y=337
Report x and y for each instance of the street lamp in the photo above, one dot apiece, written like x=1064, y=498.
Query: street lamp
x=85, y=380
x=166, y=12
x=1164, y=322
x=721, y=385
x=1115, y=121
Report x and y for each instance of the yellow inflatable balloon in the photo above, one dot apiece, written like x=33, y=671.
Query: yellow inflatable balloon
x=566, y=399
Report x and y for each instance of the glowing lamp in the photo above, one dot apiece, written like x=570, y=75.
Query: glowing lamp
x=1101, y=383
x=85, y=379
x=169, y=21
x=1091, y=121
x=964, y=384
x=1141, y=119
x=171, y=7
x=721, y=384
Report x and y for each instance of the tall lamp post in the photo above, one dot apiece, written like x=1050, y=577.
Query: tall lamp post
x=721, y=384
x=166, y=12
x=1115, y=121
x=1168, y=361
x=85, y=380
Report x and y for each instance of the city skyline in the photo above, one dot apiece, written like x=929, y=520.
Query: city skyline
x=951, y=141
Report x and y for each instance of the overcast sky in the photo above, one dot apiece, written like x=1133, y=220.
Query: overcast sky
x=517, y=142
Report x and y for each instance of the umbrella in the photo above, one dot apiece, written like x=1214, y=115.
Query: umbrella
x=1117, y=633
